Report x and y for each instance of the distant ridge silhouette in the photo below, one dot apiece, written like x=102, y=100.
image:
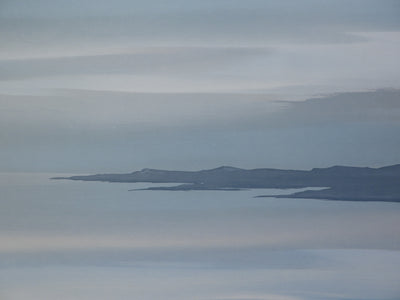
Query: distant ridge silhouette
x=340, y=182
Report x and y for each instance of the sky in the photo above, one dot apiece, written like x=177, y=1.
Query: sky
x=97, y=86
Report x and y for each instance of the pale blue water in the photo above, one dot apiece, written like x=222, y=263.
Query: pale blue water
x=89, y=240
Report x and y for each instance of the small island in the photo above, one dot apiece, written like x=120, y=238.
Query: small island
x=337, y=182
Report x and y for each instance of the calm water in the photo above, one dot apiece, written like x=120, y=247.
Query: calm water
x=86, y=240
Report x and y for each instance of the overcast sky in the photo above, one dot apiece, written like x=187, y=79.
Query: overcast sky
x=98, y=85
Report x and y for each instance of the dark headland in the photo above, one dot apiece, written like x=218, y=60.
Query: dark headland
x=339, y=182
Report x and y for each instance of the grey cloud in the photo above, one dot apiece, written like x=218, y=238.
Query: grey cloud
x=102, y=109
x=98, y=111
x=370, y=106
x=186, y=30
x=171, y=60
x=383, y=13
x=190, y=23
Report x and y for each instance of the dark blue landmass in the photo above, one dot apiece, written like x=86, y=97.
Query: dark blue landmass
x=339, y=182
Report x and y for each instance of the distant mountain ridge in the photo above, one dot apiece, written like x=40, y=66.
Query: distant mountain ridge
x=341, y=182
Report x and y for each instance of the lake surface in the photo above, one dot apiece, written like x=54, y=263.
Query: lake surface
x=73, y=240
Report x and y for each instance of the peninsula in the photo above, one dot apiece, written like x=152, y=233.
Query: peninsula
x=338, y=182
